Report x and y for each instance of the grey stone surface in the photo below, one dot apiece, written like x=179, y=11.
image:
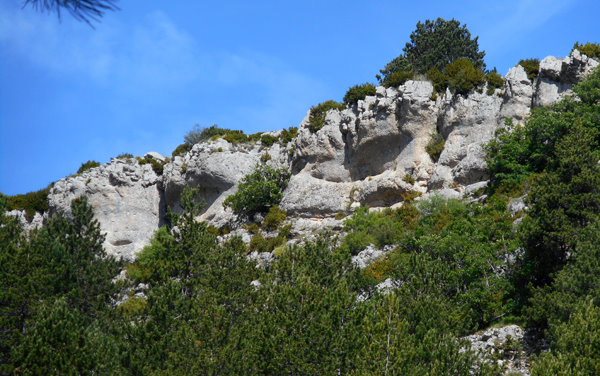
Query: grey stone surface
x=369, y=255
x=215, y=168
x=518, y=96
x=36, y=222
x=154, y=155
x=467, y=123
x=557, y=76
x=125, y=198
x=263, y=259
x=505, y=344
x=361, y=156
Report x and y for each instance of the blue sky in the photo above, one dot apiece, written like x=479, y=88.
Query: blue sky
x=150, y=71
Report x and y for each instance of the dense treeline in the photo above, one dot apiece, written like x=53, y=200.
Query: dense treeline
x=311, y=311
x=456, y=268
x=553, y=159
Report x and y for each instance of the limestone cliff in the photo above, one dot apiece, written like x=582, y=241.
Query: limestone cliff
x=361, y=156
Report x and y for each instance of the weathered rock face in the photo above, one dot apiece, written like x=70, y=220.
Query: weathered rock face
x=373, y=153
x=517, y=97
x=216, y=168
x=510, y=347
x=390, y=132
x=557, y=76
x=467, y=123
x=126, y=201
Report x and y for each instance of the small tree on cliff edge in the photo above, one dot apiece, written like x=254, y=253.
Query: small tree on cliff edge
x=435, y=44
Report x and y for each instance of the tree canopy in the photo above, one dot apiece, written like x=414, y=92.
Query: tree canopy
x=435, y=44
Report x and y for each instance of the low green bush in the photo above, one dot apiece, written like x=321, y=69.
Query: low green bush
x=258, y=191
x=259, y=243
x=288, y=135
x=252, y=228
x=157, y=166
x=138, y=273
x=365, y=227
x=31, y=202
x=588, y=49
x=494, y=81
x=254, y=137
x=358, y=92
x=265, y=157
x=274, y=218
x=87, y=166
x=125, y=156
x=437, y=79
x=268, y=140
x=435, y=146
x=408, y=178
x=235, y=137
x=199, y=134
x=181, y=150
x=531, y=66
x=397, y=78
x=134, y=306
x=316, y=119
x=462, y=76
x=212, y=133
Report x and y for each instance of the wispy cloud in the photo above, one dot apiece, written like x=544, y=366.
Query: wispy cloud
x=522, y=16
x=155, y=55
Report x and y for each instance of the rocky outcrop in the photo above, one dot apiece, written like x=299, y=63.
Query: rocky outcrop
x=389, y=132
x=36, y=222
x=517, y=97
x=215, y=169
x=557, y=76
x=510, y=347
x=467, y=123
x=126, y=200
x=372, y=153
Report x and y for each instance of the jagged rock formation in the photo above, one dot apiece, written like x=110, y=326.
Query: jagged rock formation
x=510, y=347
x=216, y=168
x=361, y=156
x=36, y=222
x=126, y=198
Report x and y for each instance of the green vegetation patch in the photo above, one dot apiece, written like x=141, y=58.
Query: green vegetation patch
x=433, y=44
x=435, y=146
x=181, y=150
x=125, y=156
x=316, y=119
x=133, y=307
x=437, y=79
x=531, y=66
x=408, y=178
x=287, y=135
x=494, y=81
x=462, y=76
x=157, y=166
x=258, y=191
x=588, y=49
x=267, y=140
x=359, y=92
x=31, y=202
x=88, y=166
x=274, y=218
x=397, y=78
